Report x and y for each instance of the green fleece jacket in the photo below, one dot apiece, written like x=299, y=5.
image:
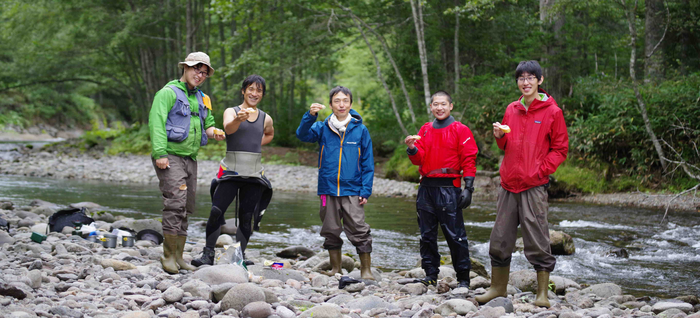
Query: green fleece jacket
x=163, y=102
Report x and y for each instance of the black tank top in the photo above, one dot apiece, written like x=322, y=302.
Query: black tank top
x=248, y=136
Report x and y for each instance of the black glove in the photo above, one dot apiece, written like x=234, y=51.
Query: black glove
x=465, y=198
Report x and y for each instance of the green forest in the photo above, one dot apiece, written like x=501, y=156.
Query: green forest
x=625, y=72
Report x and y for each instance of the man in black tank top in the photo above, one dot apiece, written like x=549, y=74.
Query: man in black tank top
x=240, y=174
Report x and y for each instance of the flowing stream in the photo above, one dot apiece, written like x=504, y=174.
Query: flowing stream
x=664, y=259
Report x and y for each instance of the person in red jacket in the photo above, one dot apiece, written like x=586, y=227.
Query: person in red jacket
x=534, y=138
x=446, y=152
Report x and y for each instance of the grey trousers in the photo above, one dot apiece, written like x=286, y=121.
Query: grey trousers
x=529, y=210
x=179, y=186
x=348, y=210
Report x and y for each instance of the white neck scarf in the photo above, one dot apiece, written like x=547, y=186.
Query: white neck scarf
x=339, y=125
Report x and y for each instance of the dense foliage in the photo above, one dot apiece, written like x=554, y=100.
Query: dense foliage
x=94, y=63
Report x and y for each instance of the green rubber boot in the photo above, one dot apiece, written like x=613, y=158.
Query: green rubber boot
x=336, y=258
x=181, y=241
x=499, y=284
x=542, y=289
x=366, y=266
x=169, y=249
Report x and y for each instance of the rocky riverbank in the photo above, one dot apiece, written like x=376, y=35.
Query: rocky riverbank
x=68, y=276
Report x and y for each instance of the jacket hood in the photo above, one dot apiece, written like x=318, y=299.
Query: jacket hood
x=356, y=118
x=538, y=104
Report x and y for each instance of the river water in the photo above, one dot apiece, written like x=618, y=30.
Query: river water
x=664, y=259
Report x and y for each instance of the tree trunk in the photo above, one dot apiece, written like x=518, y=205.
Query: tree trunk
x=552, y=18
x=381, y=78
x=393, y=63
x=631, y=21
x=290, y=107
x=418, y=22
x=654, y=30
x=455, y=82
x=189, y=43
x=222, y=52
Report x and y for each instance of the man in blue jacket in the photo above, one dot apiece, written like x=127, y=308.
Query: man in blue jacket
x=345, y=176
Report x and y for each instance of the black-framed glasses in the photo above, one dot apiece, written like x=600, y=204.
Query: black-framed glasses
x=197, y=69
x=526, y=78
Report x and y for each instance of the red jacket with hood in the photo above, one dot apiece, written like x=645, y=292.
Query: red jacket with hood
x=450, y=147
x=537, y=144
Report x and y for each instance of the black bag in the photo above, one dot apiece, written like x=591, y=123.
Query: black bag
x=4, y=225
x=67, y=217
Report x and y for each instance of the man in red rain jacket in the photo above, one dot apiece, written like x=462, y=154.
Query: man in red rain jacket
x=446, y=152
x=534, y=138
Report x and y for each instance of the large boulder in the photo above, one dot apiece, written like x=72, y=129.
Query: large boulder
x=230, y=227
x=258, y=309
x=219, y=274
x=604, y=290
x=44, y=210
x=322, y=311
x=241, y=295
x=664, y=305
x=281, y=274
x=525, y=280
x=117, y=265
x=89, y=206
x=296, y=251
x=458, y=306
x=560, y=242
x=197, y=288
x=478, y=268
x=5, y=238
x=561, y=284
x=368, y=302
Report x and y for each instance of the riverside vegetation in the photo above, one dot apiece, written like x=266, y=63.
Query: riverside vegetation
x=626, y=73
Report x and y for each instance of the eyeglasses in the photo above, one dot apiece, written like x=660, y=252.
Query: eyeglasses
x=201, y=73
x=529, y=79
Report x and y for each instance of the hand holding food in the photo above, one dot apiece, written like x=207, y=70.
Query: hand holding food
x=500, y=130
x=315, y=107
x=411, y=140
x=505, y=128
x=219, y=132
x=244, y=113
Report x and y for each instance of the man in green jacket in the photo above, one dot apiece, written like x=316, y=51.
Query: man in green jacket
x=180, y=122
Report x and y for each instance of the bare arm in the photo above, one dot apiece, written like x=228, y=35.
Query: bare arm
x=232, y=120
x=268, y=131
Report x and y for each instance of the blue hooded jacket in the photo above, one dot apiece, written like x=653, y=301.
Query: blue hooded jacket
x=345, y=160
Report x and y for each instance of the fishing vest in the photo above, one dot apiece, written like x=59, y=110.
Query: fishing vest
x=178, y=124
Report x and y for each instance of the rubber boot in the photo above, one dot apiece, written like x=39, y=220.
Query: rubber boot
x=336, y=259
x=365, y=266
x=542, y=289
x=499, y=284
x=169, y=250
x=206, y=259
x=181, y=241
